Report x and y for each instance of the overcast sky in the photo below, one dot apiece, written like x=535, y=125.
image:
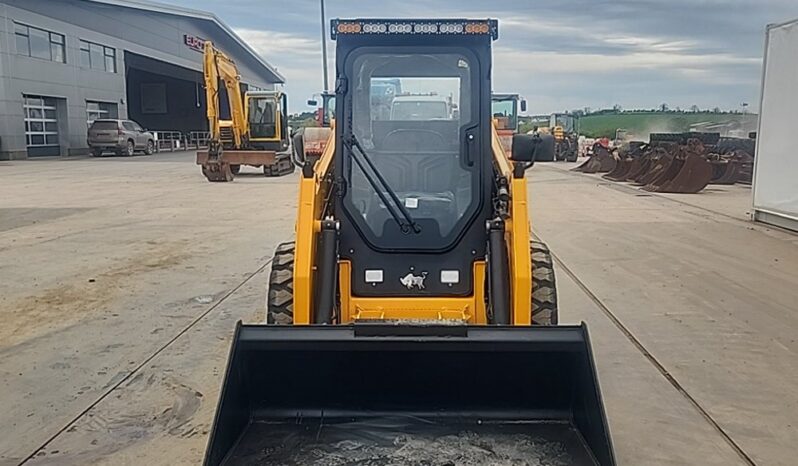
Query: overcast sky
x=560, y=55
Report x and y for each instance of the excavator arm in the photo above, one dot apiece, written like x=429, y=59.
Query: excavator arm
x=218, y=66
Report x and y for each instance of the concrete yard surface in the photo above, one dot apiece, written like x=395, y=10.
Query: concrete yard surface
x=124, y=277
x=110, y=265
x=709, y=298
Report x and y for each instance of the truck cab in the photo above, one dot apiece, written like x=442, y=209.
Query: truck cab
x=421, y=108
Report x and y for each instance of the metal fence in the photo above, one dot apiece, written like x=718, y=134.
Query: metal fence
x=197, y=139
x=170, y=141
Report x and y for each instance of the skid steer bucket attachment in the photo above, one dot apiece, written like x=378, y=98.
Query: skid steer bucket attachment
x=406, y=394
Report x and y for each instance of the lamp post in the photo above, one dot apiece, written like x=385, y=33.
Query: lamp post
x=324, y=48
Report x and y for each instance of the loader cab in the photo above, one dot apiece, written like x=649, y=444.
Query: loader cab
x=504, y=108
x=268, y=126
x=413, y=102
x=325, y=110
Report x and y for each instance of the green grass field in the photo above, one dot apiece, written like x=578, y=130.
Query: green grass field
x=643, y=123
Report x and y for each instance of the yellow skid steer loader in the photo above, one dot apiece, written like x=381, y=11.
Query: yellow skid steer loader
x=412, y=320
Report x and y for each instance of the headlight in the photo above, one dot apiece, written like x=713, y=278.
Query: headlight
x=425, y=28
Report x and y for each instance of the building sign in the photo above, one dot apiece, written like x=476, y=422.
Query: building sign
x=194, y=42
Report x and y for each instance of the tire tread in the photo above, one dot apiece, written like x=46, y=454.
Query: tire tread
x=280, y=298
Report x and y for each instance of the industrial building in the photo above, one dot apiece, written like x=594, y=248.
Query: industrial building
x=64, y=63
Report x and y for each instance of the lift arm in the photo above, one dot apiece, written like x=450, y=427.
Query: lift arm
x=217, y=66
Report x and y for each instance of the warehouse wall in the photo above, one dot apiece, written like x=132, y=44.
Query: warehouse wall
x=152, y=35
x=68, y=82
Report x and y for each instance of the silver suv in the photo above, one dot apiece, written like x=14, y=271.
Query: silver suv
x=124, y=137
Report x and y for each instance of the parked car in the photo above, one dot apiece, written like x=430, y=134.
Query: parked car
x=124, y=137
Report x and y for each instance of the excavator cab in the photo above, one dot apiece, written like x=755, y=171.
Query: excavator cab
x=412, y=320
x=267, y=119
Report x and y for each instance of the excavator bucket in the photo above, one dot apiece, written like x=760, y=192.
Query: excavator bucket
x=383, y=394
x=731, y=167
x=692, y=174
x=602, y=161
x=659, y=166
x=724, y=171
x=666, y=174
x=621, y=170
x=688, y=171
x=639, y=166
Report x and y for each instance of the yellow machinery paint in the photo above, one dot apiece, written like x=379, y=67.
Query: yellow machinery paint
x=312, y=194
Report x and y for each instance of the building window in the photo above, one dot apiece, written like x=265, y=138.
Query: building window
x=41, y=121
x=97, y=57
x=38, y=43
x=99, y=110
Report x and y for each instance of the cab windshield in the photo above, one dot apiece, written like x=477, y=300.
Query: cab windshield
x=410, y=114
x=505, y=113
x=262, y=112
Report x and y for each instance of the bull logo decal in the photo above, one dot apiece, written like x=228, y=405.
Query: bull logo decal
x=411, y=280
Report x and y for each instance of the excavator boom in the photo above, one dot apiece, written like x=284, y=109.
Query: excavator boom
x=218, y=66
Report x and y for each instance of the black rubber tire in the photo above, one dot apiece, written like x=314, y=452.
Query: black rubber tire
x=96, y=152
x=280, y=299
x=150, y=149
x=544, y=286
x=236, y=169
x=130, y=149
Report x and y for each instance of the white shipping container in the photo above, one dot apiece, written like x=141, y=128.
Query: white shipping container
x=775, y=183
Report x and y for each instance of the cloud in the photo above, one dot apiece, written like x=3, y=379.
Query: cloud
x=560, y=55
x=544, y=62
x=296, y=56
x=275, y=45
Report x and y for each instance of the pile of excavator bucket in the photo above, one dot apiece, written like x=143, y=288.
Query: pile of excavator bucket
x=671, y=164
x=602, y=160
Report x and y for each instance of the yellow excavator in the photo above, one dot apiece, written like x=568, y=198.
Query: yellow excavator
x=413, y=319
x=256, y=133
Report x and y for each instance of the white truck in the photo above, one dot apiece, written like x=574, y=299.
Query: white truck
x=421, y=108
x=775, y=182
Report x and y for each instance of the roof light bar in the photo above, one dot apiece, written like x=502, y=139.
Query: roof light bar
x=414, y=26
